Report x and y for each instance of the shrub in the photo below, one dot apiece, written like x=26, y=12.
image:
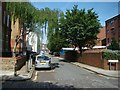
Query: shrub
x=111, y=55
x=114, y=45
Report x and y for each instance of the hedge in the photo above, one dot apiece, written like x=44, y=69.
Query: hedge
x=111, y=55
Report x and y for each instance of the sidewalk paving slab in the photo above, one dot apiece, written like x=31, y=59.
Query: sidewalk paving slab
x=22, y=74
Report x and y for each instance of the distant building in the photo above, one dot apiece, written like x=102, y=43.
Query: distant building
x=33, y=42
x=101, y=41
x=113, y=29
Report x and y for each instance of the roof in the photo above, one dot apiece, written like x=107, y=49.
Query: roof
x=112, y=18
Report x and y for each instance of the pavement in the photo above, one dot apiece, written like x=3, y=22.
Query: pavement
x=22, y=74
x=108, y=73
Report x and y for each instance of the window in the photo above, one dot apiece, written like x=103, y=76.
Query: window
x=119, y=31
x=4, y=16
x=108, y=40
x=8, y=20
x=112, y=22
x=113, y=39
x=113, y=31
x=108, y=31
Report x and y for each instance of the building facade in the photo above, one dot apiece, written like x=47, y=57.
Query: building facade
x=101, y=41
x=33, y=42
x=10, y=30
x=5, y=31
x=113, y=29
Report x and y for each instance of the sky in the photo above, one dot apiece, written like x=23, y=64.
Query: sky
x=105, y=10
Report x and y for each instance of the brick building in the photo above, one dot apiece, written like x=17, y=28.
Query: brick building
x=101, y=37
x=113, y=29
x=5, y=31
x=10, y=29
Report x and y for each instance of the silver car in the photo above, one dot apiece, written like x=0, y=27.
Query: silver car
x=42, y=61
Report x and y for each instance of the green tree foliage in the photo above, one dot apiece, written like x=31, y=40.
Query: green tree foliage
x=55, y=40
x=80, y=27
x=114, y=45
x=39, y=21
x=26, y=13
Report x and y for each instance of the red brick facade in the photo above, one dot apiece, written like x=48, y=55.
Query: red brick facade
x=95, y=59
x=10, y=29
x=101, y=37
x=113, y=29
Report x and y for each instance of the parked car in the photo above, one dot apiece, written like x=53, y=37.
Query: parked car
x=42, y=61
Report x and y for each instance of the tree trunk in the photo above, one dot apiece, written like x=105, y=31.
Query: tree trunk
x=81, y=51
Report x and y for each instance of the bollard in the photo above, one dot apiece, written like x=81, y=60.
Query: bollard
x=15, y=70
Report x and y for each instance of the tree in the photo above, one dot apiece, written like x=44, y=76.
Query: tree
x=113, y=45
x=27, y=15
x=80, y=27
x=56, y=42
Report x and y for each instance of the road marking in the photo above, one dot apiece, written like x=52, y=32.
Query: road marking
x=35, y=76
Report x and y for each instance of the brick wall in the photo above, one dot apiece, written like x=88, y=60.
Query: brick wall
x=71, y=55
x=115, y=26
x=9, y=63
x=95, y=59
x=101, y=36
x=92, y=57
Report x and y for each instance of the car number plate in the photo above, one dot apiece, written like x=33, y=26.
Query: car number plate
x=43, y=62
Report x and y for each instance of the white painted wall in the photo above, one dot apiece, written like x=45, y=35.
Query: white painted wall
x=32, y=42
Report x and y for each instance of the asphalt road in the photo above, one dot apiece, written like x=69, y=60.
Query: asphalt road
x=64, y=75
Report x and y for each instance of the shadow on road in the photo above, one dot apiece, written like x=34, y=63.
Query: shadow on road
x=68, y=61
x=55, y=65
x=31, y=85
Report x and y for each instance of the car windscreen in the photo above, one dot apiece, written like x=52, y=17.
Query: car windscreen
x=46, y=58
x=43, y=58
x=40, y=58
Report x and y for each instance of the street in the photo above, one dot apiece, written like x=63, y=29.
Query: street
x=64, y=75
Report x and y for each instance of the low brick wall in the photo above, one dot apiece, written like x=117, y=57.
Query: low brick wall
x=71, y=56
x=93, y=58
x=9, y=63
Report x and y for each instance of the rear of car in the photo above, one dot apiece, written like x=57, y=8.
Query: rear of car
x=42, y=62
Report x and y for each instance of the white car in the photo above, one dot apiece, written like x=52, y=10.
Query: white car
x=42, y=61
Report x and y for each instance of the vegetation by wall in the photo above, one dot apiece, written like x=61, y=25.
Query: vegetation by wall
x=111, y=55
